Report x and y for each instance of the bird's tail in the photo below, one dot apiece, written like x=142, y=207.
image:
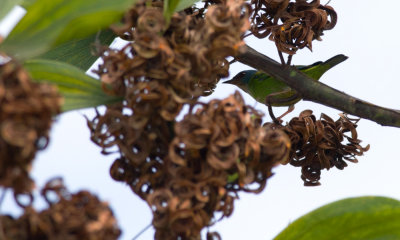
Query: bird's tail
x=331, y=62
x=316, y=70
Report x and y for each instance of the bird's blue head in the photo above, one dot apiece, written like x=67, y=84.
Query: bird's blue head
x=242, y=79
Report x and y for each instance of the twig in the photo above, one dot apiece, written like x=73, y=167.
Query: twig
x=2, y=234
x=2, y=197
x=272, y=115
x=282, y=58
x=246, y=35
x=141, y=232
x=318, y=92
x=289, y=60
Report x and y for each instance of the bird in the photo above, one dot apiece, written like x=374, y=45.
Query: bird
x=273, y=92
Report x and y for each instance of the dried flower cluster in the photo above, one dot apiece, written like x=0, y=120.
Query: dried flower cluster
x=163, y=68
x=69, y=216
x=26, y=112
x=185, y=59
x=319, y=144
x=291, y=25
x=218, y=149
x=190, y=171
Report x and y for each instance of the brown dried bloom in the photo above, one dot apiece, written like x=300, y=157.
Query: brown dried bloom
x=188, y=57
x=291, y=25
x=318, y=144
x=26, y=112
x=69, y=216
x=213, y=236
x=160, y=71
x=219, y=148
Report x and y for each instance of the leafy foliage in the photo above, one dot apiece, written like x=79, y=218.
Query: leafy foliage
x=78, y=89
x=172, y=6
x=64, y=20
x=6, y=6
x=80, y=52
x=348, y=219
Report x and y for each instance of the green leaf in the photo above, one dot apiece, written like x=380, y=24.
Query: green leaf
x=6, y=6
x=79, y=52
x=171, y=6
x=49, y=23
x=78, y=89
x=169, y=9
x=26, y=3
x=348, y=219
x=183, y=4
x=233, y=177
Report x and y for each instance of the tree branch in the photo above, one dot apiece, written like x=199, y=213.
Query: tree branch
x=318, y=92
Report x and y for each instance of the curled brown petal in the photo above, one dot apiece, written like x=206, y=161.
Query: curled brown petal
x=27, y=109
x=222, y=158
x=319, y=144
x=291, y=25
x=151, y=20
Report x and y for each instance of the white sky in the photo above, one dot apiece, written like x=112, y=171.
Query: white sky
x=366, y=32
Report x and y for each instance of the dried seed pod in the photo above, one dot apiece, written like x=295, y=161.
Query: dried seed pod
x=187, y=183
x=188, y=56
x=291, y=25
x=182, y=169
x=69, y=216
x=26, y=113
x=213, y=236
x=321, y=144
x=219, y=148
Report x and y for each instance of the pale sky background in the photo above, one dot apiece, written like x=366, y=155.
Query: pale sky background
x=366, y=32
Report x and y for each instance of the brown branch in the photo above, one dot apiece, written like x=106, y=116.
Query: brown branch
x=318, y=92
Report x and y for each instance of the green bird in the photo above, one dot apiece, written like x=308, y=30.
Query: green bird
x=272, y=92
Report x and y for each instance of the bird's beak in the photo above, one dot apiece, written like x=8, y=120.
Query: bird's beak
x=233, y=81
x=229, y=81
